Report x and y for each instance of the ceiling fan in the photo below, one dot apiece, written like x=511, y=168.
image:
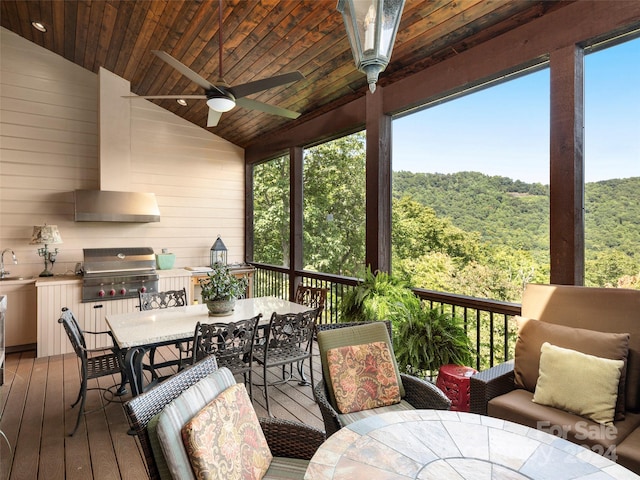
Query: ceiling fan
x=220, y=96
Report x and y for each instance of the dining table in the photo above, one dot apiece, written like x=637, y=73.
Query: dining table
x=137, y=333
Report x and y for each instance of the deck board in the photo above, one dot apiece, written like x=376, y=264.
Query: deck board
x=36, y=415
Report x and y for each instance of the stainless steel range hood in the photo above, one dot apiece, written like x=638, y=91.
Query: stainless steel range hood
x=110, y=206
x=115, y=201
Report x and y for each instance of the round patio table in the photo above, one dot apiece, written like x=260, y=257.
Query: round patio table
x=436, y=444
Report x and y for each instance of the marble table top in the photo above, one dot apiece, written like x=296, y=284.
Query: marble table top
x=150, y=327
x=436, y=444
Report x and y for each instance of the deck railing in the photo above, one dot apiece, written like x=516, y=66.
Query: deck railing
x=488, y=323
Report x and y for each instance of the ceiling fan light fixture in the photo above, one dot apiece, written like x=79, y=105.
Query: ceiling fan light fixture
x=221, y=104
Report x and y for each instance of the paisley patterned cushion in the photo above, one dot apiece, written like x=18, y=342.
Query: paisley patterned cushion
x=363, y=377
x=224, y=439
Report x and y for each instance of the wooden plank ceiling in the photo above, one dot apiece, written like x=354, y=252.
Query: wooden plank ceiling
x=260, y=39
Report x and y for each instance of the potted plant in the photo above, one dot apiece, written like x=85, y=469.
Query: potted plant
x=379, y=296
x=424, y=339
x=428, y=339
x=221, y=289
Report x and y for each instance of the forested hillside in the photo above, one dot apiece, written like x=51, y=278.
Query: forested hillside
x=466, y=233
x=514, y=214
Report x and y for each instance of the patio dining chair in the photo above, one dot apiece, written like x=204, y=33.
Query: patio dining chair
x=231, y=344
x=288, y=340
x=160, y=300
x=95, y=363
x=312, y=297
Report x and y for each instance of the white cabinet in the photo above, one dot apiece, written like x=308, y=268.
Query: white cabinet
x=52, y=296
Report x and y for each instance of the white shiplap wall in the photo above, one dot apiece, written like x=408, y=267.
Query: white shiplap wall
x=49, y=148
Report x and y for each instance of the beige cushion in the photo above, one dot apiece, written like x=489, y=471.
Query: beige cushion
x=533, y=333
x=578, y=383
x=363, y=377
x=356, y=335
x=180, y=411
x=225, y=440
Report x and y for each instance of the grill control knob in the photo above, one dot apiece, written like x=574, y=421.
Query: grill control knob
x=123, y=291
x=101, y=293
x=112, y=292
x=143, y=289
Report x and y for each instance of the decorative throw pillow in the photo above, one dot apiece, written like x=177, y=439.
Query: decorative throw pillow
x=578, y=383
x=352, y=335
x=225, y=441
x=533, y=333
x=180, y=411
x=363, y=377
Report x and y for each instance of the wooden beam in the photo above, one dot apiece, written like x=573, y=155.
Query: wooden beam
x=341, y=121
x=296, y=238
x=378, y=181
x=567, y=167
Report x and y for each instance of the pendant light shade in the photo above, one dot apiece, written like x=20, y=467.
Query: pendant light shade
x=371, y=27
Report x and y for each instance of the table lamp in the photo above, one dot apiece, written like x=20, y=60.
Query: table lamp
x=46, y=235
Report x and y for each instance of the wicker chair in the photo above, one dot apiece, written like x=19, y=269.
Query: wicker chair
x=230, y=343
x=285, y=438
x=95, y=363
x=420, y=394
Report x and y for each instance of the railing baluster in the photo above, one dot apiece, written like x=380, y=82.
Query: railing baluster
x=273, y=280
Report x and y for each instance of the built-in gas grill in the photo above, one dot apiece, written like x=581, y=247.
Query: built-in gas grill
x=116, y=273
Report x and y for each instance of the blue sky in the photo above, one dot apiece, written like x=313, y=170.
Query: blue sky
x=504, y=130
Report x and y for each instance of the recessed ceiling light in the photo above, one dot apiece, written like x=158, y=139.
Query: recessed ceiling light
x=39, y=26
x=182, y=101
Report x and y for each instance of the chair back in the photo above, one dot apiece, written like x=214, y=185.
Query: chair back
x=291, y=329
x=312, y=297
x=144, y=407
x=231, y=343
x=74, y=332
x=156, y=300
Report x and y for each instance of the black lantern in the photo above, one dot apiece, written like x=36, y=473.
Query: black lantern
x=371, y=27
x=218, y=253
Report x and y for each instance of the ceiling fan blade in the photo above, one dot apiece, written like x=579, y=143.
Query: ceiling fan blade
x=169, y=97
x=183, y=69
x=263, y=107
x=213, y=118
x=245, y=89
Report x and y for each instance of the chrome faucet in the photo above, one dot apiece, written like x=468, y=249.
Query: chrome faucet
x=15, y=260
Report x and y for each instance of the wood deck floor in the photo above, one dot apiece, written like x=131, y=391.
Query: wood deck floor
x=35, y=416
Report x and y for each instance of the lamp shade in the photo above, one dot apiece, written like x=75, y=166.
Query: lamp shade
x=371, y=27
x=221, y=104
x=45, y=235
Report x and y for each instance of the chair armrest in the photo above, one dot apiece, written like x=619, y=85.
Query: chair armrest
x=423, y=394
x=489, y=384
x=291, y=439
x=329, y=414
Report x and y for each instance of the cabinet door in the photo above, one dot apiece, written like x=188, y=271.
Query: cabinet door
x=20, y=318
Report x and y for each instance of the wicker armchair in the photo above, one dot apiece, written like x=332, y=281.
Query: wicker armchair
x=285, y=438
x=420, y=394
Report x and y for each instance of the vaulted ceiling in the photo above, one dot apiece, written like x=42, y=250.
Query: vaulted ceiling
x=260, y=39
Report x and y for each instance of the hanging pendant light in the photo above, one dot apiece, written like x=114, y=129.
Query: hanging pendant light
x=371, y=27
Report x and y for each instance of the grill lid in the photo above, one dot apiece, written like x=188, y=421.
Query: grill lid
x=101, y=261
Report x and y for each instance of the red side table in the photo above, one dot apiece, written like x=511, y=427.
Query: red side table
x=453, y=380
